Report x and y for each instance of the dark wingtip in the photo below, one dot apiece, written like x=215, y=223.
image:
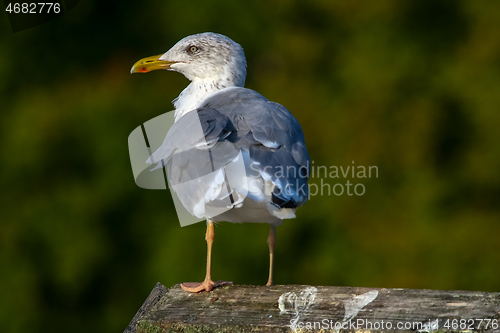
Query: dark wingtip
x=278, y=200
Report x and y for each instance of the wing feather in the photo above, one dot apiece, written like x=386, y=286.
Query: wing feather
x=230, y=121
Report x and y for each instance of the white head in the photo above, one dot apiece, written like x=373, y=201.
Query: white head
x=208, y=57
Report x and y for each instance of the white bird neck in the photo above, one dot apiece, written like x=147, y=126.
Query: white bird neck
x=197, y=91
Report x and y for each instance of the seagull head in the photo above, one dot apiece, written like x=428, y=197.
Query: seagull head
x=207, y=57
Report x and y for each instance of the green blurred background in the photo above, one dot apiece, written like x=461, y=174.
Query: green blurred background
x=412, y=87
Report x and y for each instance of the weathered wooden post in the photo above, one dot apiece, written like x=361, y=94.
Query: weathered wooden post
x=296, y=308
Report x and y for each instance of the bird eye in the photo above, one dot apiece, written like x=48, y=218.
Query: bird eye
x=193, y=49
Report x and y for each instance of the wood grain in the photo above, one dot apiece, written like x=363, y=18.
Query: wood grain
x=240, y=308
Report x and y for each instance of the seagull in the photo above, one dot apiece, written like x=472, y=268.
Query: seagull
x=231, y=154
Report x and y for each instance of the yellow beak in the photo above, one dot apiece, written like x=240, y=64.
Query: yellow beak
x=150, y=64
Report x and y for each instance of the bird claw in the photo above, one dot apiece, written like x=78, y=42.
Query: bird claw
x=207, y=285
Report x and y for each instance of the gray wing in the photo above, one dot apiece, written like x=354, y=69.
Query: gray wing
x=273, y=138
x=234, y=120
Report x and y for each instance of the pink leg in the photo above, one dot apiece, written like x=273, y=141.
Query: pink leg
x=271, y=241
x=208, y=284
